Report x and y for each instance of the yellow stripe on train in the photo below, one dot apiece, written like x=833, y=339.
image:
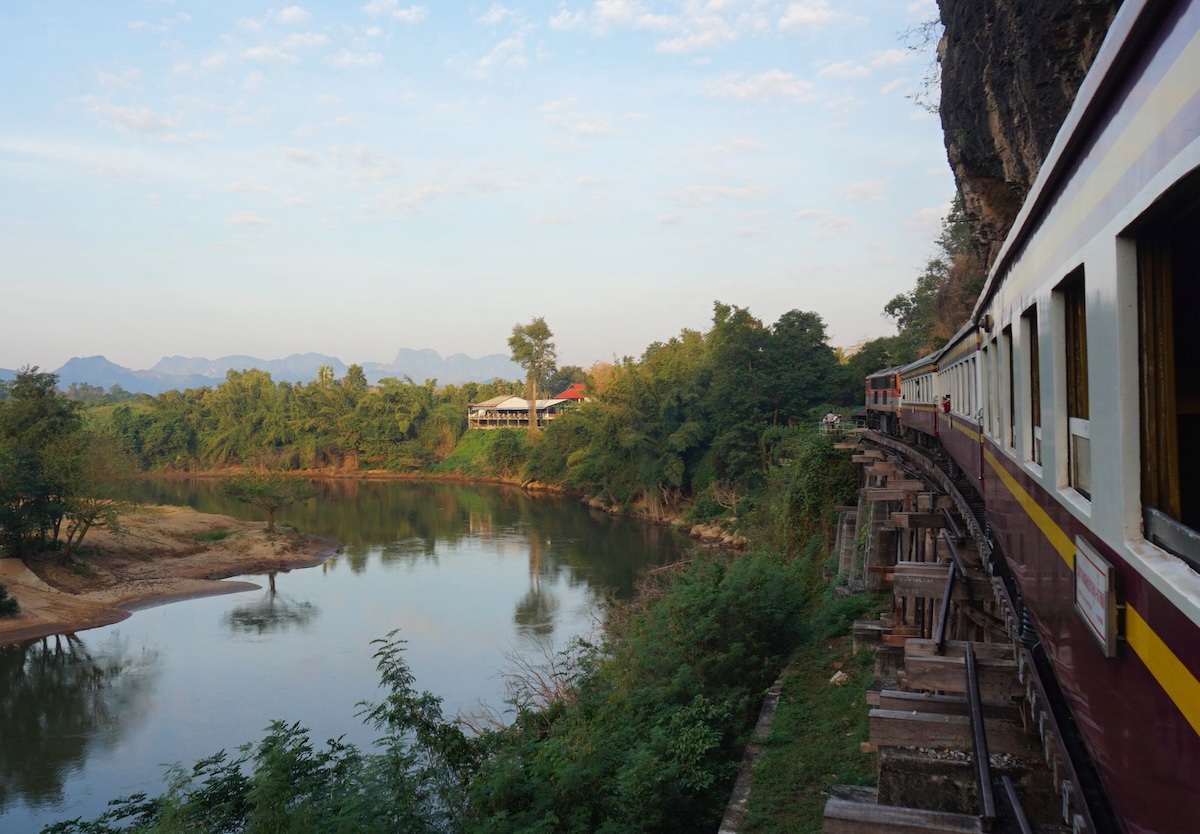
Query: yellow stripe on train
x=1176, y=679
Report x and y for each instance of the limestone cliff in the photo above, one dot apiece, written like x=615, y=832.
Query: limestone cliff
x=1010, y=70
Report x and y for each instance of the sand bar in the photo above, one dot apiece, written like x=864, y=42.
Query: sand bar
x=160, y=557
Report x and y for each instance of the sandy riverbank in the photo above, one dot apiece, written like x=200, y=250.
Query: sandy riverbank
x=157, y=559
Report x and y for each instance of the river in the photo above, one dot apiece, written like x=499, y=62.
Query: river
x=471, y=576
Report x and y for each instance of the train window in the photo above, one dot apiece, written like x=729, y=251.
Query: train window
x=1030, y=338
x=992, y=369
x=1168, y=302
x=1009, y=385
x=1074, y=322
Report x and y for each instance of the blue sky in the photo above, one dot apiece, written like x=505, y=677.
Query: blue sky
x=211, y=178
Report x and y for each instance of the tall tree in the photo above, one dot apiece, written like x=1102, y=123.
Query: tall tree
x=532, y=349
x=37, y=424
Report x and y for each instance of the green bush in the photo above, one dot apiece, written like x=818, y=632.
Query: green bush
x=9, y=607
x=213, y=535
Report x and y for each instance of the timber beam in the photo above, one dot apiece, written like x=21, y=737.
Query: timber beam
x=998, y=677
x=913, y=521
x=937, y=731
x=856, y=811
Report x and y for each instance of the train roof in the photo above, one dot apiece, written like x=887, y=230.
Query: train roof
x=885, y=372
x=919, y=366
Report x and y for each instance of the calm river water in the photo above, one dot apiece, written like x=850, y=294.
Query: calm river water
x=469, y=575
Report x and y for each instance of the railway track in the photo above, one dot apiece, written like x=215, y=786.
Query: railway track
x=969, y=724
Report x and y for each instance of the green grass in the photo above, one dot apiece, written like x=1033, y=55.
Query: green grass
x=213, y=535
x=814, y=741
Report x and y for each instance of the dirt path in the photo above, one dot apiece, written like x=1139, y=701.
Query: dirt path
x=165, y=554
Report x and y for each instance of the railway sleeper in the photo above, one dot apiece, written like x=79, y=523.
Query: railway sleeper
x=1007, y=676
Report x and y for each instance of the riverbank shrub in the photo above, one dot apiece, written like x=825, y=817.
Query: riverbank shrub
x=9, y=607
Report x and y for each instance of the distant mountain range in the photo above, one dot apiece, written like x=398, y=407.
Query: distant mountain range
x=181, y=372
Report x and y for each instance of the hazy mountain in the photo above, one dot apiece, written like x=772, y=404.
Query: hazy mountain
x=299, y=367
x=6, y=374
x=180, y=372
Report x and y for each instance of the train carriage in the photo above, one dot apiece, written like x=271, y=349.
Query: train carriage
x=920, y=399
x=959, y=418
x=883, y=400
x=1075, y=402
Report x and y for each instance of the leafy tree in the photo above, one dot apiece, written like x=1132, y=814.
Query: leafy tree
x=268, y=492
x=532, y=349
x=559, y=379
x=97, y=467
x=37, y=425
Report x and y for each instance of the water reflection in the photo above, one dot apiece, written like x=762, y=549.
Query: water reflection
x=406, y=521
x=61, y=701
x=270, y=612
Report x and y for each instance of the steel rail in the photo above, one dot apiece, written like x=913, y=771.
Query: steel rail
x=983, y=762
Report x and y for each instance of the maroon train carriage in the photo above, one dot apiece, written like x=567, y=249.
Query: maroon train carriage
x=958, y=416
x=883, y=400
x=1074, y=396
x=920, y=400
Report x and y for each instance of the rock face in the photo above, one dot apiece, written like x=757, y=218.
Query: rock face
x=1010, y=70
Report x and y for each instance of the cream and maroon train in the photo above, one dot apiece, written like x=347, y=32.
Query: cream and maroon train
x=1074, y=404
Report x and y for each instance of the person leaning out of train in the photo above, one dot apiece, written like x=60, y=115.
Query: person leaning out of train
x=946, y=404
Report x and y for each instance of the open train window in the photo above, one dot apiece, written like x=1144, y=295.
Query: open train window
x=1033, y=362
x=1168, y=303
x=1074, y=324
x=1009, y=386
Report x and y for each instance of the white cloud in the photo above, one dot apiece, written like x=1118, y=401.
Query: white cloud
x=563, y=114
x=248, y=219
x=734, y=146
x=694, y=26
x=122, y=80
x=826, y=223
x=553, y=220
x=509, y=53
x=167, y=24
x=249, y=24
x=810, y=14
x=700, y=195
x=371, y=163
x=765, y=85
x=294, y=202
x=343, y=121
x=304, y=39
x=667, y=219
x=891, y=58
x=134, y=119
x=239, y=187
x=390, y=8
x=761, y=230
x=845, y=69
x=292, y=15
x=253, y=81
x=892, y=86
x=346, y=58
x=301, y=156
x=867, y=191
x=214, y=61
x=268, y=54
x=496, y=14
x=374, y=32
x=927, y=222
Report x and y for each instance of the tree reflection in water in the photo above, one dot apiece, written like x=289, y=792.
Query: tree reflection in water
x=535, y=611
x=61, y=701
x=270, y=612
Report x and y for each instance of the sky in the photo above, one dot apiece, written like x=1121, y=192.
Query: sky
x=213, y=178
